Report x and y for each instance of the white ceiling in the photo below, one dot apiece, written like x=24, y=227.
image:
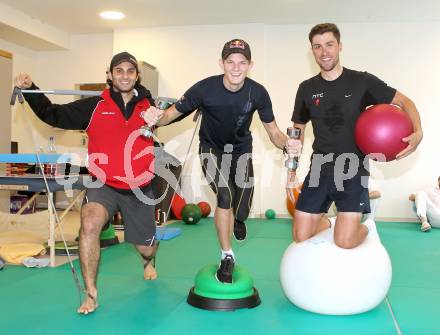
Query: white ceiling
x=81, y=16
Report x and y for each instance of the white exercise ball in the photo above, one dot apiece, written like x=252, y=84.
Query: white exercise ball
x=320, y=277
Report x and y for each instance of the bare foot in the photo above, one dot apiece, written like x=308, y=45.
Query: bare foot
x=150, y=272
x=425, y=226
x=89, y=305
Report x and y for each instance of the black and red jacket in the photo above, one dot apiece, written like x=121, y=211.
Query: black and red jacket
x=118, y=155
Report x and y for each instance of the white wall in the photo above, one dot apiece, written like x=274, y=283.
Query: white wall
x=30, y=30
x=23, y=60
x=402, y=54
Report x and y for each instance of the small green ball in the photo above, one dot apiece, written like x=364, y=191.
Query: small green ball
x=191, y=213
x=270, y=214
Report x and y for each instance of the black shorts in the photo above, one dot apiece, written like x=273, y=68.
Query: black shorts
x=139, y=222
x=318, y=199
x=230, y=176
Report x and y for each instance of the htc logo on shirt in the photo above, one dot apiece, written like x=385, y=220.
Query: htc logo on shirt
x=318, y=95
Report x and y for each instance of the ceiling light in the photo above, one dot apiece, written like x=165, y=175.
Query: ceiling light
x=112, y=15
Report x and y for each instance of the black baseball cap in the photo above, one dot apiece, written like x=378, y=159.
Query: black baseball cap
x=236, y=46
x=123, y=57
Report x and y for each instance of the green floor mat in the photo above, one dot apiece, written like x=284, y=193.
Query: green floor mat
x=412, y=254
x=416, y=309
x=261, y=257
x=275, y=315
x=43, y=301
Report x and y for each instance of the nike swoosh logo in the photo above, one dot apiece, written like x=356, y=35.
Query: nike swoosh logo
x=361, y=203
x=347, y=95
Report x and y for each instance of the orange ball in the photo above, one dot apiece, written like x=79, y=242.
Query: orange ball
x=292, y=204
x=177, y=205
x=205, y=208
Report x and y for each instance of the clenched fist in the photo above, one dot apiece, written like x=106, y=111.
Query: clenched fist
x=152, y=115
x=23, y=81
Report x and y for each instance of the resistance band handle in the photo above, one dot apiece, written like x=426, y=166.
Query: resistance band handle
x=16, y=93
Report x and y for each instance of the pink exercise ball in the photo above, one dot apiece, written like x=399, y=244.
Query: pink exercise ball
x=380, y=129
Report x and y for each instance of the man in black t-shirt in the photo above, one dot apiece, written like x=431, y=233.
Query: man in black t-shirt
x=332, y=101
x=228, y=102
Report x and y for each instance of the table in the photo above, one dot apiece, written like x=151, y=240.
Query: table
x=35, y=183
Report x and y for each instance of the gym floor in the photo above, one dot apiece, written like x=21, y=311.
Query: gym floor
x=43, y=301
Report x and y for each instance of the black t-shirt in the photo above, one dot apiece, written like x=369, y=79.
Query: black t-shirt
x=334, y=106
x=227, y=115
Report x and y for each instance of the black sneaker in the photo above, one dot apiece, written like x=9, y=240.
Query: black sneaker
x=224, y=272
x=240, y=230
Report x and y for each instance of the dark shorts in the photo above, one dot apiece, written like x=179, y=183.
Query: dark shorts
x=318, y=199
x=230, y=176
x=139, y=223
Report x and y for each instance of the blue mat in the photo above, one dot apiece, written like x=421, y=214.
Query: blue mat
x=167, y=233
x=32, y=158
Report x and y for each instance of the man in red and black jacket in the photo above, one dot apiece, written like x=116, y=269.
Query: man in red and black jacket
x=119, y=158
